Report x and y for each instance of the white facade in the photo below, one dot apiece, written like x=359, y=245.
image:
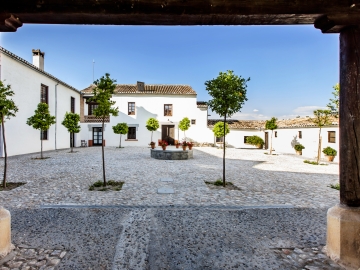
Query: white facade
x=151, y=106
x=26, y=80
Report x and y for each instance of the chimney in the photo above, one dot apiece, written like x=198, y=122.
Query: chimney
x=38, y=58
x=140, y=86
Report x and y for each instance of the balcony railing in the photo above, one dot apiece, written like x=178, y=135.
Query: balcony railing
x=95, y=119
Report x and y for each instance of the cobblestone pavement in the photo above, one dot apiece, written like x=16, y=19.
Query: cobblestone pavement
x=64, y=178
x=276, y=221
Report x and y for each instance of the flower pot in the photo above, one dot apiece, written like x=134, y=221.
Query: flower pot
x=299, y=153
x=190, y=147
x=184, y=147
x=177, y=146
x=259, y=146
x=163, y=147
x=152, y=146
x=330, y=158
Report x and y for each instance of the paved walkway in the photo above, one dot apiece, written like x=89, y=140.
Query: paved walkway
x=276, y=221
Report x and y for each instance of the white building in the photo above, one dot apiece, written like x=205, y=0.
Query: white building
x=32, y=85
x=169, y=104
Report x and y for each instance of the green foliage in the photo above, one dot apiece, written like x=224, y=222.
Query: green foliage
x=152, y=125
x=333, y=105
x=254, y=140
x=218, y=129
x=299, y=147
x=111, y=185
x=311, y=162
x=7, y=106
x=71, y=122
x=336, y=186
x=103, y=91
x=322, y=118
x=121, y=128
x=228, y=92
x=329, y=151
x=271, y=124
x=184, y=124
x=41, y=120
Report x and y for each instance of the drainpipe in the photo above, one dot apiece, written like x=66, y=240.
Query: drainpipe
x=56, y=113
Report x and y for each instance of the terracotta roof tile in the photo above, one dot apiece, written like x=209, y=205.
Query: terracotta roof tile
x=159, y=89
x=257, y=124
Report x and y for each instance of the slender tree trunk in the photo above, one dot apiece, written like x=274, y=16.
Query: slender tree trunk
x=224, y=181
x=102, y=151
x=5, y=152
x=72, y=142
x=41, y=139
x=319, y=147
x=120, y=142
x=151, y=136
x=271, y=142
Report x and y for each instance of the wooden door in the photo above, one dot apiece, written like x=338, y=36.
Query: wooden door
x=266, y=140
x=168, y=134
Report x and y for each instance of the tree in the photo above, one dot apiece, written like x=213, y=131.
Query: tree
x=152, y=125
x=122, y=129
x=41, y=120
x=7, y=109
x=271, y=125
x=228, y=92
x=184, y=125
x=71, y=122
x=103, y=91
x=333, y=105
x=218, y=130
x=321, y=119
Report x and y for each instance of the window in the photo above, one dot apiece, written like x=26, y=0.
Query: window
x=193, y=121
x=91, y=108
x=219, y=139
x=131, y=108
x=300, y=134
x=331, y=136
x=72, y=104
x=167, y=109
x=44, y=135
x=245, y=137
x=132, y=133
x=44, y=94
x=275, y=134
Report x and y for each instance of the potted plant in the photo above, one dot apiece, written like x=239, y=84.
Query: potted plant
x=298, y=148
x=190, y=145
x=184, y=145
x=152, y=144
x=255, y=140
x=330, y=153
x=163, y=144
x=177, y=144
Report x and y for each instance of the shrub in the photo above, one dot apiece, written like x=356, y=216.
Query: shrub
x=329, y=151
x=254, y=140
x=299, y=147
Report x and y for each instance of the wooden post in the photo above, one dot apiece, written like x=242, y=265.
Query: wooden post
x=350, y=116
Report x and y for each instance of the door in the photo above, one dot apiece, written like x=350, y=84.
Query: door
x=97, y=136
x=168, y=134
x=266, y=140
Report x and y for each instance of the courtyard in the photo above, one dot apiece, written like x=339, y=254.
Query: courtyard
x=277, y=220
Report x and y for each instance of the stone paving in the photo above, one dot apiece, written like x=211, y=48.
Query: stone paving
x=276, y=221
x=64, y=178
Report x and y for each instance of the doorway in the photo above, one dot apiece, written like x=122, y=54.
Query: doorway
x=266, y=140
x=97, y=136
x=168, y=134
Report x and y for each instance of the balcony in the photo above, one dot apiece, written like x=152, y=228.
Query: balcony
x=95, y=119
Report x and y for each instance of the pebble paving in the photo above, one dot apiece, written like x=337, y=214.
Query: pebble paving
x=277, y=220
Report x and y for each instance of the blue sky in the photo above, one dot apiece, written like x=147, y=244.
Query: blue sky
x=292, y=68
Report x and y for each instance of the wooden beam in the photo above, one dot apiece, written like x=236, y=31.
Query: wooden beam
x=350, y=116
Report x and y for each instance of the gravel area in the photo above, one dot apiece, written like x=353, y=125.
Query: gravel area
x=65, y=177
x=277, y=220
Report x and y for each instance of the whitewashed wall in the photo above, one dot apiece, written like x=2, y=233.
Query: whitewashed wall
x=26, y=83
x=287, y=138
x=147, y=106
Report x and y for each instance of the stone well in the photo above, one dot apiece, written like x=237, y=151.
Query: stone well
x=171, y=154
